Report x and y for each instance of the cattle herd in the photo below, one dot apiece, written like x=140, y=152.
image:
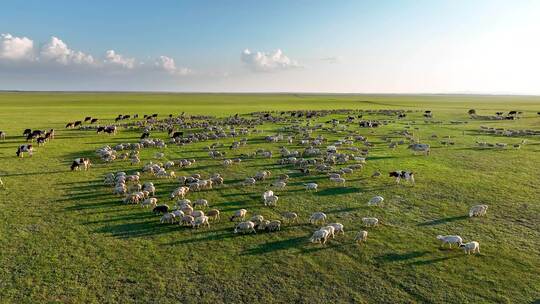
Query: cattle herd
x=296, y=143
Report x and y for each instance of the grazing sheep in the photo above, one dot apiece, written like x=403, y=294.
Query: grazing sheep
x=331, y=230
x=167, y=218
x=2, y=135
x=201, y=220
x=239, y=214
x=250, y=181
x=280, y=184
x=376, y=174
x=317, y=217
x=271, y=201
x=197, y=213
x=187, y=220
x=245, y=227
x=450, y=239
x=319, y=236
x=311, y=186
x=290, y=216
x=370, y=221
x=161, y=209
x=338, y=227
x=149, y=202
x=257, y=219
x=338, y=180
x=200, y=202
x=361, y=237
x=478, y=210
x=178, y=214
x=471, y=247
x=273, y=226
x=213, y=214
x=376, y=201
x=422, y=148
x=267, y=194
x=1, y=183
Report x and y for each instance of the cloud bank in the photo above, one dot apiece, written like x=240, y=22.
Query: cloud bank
x=20, y=54
x=268, y=62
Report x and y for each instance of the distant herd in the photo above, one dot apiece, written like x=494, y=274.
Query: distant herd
x=298, y=124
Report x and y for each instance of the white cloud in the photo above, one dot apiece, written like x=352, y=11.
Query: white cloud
x=16, y=48
x=112, y=57
x=58, y=51
x=267, y=62
x=332, y=59
x=168, y=64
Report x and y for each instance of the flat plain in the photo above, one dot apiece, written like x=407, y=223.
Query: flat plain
x=64, y=237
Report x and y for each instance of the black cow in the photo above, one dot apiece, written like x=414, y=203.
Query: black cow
x=126, y=117
x=69, y=125
x=406, y=175
x=145, y=135
x=77, y=123
x=136, y=116
x=78, y=162
x=94, y=120
x=26, y=132
x=87, y=118
x=100, y=129
x=41, y=141
x=25, y=148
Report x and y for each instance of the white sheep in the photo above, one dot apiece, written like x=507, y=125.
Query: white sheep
x=370, y=221
x=338, y=227
x=338, y=180
x=450, y=239
x=271, y=201
x=241, y=214
x=290, y=216
x=197, y=213
x=280, y=184
x=317, y=217
x=478, y=210
x=311, y=186
x=200, y=202
x=376, y=201
x=149, y=202
x=331, y=230
x=319, y=236
x=187, y=220
x=250, y=181
x=267, y=194
x=167, y=218
x=471, y=247
x=361, y=236
x=201, y=220
x=245, y=227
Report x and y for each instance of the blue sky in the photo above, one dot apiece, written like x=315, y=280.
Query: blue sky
x=312, y=46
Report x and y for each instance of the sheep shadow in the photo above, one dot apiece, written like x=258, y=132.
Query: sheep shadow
x=338, y=191
x=443, y=220
x=225, y=233
x=396, y=257
x=432, y=261
x=140, y=229
x=270, y=247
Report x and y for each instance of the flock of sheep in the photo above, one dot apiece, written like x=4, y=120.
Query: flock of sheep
x=318, y=155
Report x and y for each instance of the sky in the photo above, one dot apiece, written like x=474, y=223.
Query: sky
x=338, y=46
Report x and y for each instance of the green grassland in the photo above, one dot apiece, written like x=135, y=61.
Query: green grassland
x=64, y=237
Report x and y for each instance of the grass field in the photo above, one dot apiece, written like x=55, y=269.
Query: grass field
x=65, y=238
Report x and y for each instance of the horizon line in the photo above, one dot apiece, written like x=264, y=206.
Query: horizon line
x=270, y=92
